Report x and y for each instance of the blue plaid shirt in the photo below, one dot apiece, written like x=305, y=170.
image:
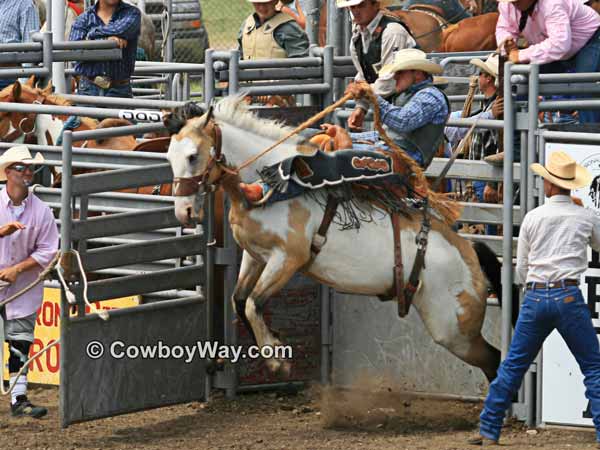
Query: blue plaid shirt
x=18, y=19
x=125, y=23
x=427, y=106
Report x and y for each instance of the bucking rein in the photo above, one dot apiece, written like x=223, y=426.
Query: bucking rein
x=403, y=294
x=61, y=266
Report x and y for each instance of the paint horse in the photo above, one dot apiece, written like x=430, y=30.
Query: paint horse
x=276, y=240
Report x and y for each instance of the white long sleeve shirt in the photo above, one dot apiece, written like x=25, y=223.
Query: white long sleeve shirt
x=553, y=241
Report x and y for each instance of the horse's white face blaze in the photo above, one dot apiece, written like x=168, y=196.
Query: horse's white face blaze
x=182, y=156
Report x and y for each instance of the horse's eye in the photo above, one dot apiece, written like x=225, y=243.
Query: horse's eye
x=193, y=158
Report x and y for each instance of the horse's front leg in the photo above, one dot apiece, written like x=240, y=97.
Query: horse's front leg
x=250, y=271
x=277, y=272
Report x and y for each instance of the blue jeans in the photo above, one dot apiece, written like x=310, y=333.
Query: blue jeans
x=4, y=83
x=586, y=60
x=544, y=310
x=86, y=87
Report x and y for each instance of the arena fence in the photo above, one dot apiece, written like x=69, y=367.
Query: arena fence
x=93, y=388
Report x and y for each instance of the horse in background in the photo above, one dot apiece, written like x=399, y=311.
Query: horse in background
x=277, y=239
x=433, y=34
x=478, y=32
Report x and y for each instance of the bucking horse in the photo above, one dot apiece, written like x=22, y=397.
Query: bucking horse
x=225, y=146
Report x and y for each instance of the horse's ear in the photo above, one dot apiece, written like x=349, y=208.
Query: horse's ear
x=209, y=114
x=191, y=110
x=16, y=91
x=31, y=81
x=173, y=122
x=48, y=89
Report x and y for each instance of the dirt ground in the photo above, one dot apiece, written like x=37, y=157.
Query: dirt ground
x=309, y=419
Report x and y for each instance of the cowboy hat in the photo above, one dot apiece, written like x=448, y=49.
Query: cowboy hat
x=261, y=1
x=489, y=66
x=563, y=171
x=411, y=59
x=347, y=3
x=19, y=153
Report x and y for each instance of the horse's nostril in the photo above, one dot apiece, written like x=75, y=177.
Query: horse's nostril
x=189, y=212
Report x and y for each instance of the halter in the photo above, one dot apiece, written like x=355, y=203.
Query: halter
x=26, y=125
x=184, y=186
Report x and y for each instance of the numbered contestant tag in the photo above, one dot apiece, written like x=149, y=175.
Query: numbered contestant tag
x=139, y=115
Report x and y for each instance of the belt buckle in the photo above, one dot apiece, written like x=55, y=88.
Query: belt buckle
x=102, y=82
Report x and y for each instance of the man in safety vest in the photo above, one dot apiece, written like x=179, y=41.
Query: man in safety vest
x=268, y=33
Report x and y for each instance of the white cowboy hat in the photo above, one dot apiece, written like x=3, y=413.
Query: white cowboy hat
x=19, y=153
x=563, y=171
x=411, y=59
x=347, y=3
x=490, y=66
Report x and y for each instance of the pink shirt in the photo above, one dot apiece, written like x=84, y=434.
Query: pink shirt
x=556, y=30
x=39, y=240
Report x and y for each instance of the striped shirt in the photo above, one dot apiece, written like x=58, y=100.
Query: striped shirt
x=18, y=19
x=124, y=23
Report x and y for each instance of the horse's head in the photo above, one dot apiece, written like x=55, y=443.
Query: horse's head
x=24, y=123
x=193, y=154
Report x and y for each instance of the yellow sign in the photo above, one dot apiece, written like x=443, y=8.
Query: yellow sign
x=45, y=369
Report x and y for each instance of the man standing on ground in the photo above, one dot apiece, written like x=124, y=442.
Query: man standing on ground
x=551, y=257
x=29, y=243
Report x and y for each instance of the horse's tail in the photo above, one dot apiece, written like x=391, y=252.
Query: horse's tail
x=493, y=271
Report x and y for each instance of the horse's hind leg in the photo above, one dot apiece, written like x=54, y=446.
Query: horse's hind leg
x=459, y=330
x=277, y=272
x=483, y=355
x=250, y=271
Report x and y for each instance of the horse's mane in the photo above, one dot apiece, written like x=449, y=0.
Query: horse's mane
x=234, y=111
x=56, y=99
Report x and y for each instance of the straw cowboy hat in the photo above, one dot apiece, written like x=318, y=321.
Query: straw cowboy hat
x=19, y=153
x=347, y=3
x=411, y=59
x=489, y=66
x=563, y=171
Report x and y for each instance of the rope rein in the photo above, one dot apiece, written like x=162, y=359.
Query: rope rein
x=297, y=130
x=445, y=206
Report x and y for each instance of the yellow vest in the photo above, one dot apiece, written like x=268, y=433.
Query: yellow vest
x=259, y=43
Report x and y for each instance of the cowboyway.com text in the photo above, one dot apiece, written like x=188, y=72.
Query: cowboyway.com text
x=202, y=350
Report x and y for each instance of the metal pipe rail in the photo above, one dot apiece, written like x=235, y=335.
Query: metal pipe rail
x=122, y=102
x=98, y=113
x=96, y=156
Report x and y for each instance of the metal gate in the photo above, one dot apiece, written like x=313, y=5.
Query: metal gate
x=104, y=371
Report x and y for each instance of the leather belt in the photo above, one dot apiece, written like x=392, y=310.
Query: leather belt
x=112, y=83
x=552, y=284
